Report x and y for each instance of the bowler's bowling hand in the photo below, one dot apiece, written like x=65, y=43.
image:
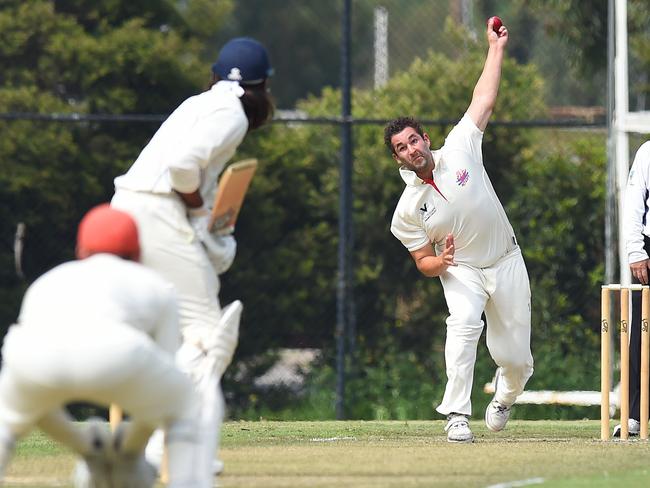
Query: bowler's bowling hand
x=640, y=270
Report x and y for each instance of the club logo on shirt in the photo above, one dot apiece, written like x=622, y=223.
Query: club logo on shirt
x=462, y=177
x=427, y=210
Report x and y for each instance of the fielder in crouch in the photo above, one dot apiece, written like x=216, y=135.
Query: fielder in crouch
x=454, y=226
x=170, y=189
x=102, y=329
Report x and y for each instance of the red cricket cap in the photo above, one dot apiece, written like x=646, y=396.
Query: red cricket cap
x=107, y=230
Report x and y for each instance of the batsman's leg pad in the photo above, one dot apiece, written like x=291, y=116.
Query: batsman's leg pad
x=211, y=418
x=207, y=351
x=183, y=443
x=222, y=342
x=155, y=448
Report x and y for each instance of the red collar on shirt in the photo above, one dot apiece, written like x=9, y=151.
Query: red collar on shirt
x=430, y=181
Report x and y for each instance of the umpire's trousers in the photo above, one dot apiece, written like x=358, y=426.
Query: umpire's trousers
x=635, y=347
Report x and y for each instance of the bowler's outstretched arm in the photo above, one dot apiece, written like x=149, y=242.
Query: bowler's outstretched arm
x=487, y=86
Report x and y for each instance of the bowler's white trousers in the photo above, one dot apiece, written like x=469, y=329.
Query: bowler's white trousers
x=502, y=291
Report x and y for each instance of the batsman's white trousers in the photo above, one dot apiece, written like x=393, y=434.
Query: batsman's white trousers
x=48, y=366
x=169, y=246
x=502, y=291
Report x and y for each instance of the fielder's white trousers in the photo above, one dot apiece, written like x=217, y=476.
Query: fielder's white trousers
x=502, y=291
x=47, y=367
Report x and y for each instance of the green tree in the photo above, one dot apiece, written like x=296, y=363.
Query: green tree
x=581, y=28
x=558, y=211
x=582, y=25
x=303, y=39
x=80, y=56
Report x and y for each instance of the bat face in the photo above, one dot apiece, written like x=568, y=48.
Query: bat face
x=231, y=191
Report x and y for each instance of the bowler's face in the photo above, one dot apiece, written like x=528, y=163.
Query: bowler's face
x=411, y=150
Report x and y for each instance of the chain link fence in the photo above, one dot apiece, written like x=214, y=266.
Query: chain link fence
x=304, y=39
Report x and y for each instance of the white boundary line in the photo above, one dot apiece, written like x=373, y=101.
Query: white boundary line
x=332, y=439
x=518, y=483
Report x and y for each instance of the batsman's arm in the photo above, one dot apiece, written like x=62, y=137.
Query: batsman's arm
x=487, y=87
x=431, y=265
x=191, y=200
x=211, y=137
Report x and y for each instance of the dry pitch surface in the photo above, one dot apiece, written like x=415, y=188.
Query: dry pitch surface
x=391, y=454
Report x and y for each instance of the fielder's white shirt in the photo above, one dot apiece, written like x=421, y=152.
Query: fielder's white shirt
x=102, y=289
x=192, y=146
x=637, y=204
x=465, y=206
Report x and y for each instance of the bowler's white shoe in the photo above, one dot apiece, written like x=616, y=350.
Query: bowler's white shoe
x=457, y=428
x=496, y=413
x=496, y=416
x=633, y=428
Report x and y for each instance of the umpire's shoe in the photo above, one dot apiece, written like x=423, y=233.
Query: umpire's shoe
x=633, y=428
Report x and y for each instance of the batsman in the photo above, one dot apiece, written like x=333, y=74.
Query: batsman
x=451, y=221
x=170, y=189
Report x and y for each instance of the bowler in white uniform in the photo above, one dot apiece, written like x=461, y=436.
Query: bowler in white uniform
x=451, y=221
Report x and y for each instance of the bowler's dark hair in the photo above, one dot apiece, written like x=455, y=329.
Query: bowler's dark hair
x=257, y=103
x=398, y=125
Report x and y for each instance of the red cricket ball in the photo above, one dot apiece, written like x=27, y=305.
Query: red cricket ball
x=496, y=25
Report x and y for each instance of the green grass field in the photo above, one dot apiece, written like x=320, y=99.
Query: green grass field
x=391, y=454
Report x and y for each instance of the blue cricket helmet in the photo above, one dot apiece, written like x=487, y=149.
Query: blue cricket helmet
x=244, y=60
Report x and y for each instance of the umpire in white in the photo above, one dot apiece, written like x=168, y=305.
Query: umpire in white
x=170, y=189
x=637, y=245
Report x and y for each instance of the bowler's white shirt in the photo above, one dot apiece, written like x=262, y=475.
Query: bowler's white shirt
x=98, y=290
x=192, y=146
x=466, y=205
x=637, y=203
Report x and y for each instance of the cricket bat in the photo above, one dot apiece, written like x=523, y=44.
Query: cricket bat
x=232, y=189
